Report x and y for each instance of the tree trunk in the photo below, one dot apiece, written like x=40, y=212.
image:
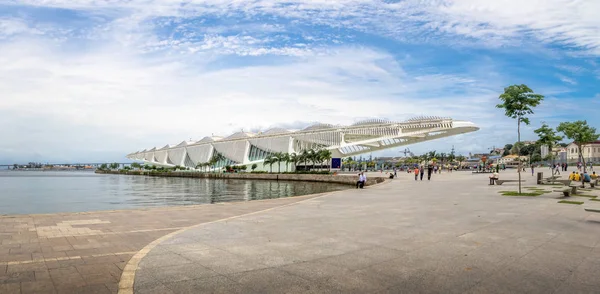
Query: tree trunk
x=582, y=159
x=519, y=149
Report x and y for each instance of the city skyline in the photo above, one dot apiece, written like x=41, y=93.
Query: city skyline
x=88, y=82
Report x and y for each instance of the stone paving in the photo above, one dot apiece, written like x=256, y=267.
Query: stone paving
x=86, y=252
x=454, y=234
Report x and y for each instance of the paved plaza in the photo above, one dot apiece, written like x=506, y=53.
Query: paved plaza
x=454, y=234
x=86, y=252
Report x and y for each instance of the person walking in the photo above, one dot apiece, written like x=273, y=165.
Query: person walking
x=416, y=171
x=422, y=172
x=532, y=170
x=429, y=171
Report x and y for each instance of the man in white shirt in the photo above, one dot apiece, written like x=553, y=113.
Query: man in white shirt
x=361, y=180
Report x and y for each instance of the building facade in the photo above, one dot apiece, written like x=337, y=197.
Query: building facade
x=245, y=148
x=590, y=152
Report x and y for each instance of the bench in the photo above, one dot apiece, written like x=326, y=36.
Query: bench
x=500, y=182
x=564, y=182
x=568, y=191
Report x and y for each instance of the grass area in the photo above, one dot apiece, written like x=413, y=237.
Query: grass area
x=585, y=195
x=534, y=188
x=526, y=194
x=570, y=202
x=595, y=199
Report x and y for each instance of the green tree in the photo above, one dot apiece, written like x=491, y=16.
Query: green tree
x=305, y=157
x=103, y=166
x=443, y=156
x=136, y=165
x=547, y=136
x=294, y=158
x=581, y=133
x=279, y=157
x=285, y=157
x=270, y=160
x=114, y=165
x=215, y=160
x=460, y=159
x=325, y=155
x=254, y=166
x=313, y=156
x=518, y=101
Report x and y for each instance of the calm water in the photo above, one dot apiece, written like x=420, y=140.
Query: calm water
x=24, y=192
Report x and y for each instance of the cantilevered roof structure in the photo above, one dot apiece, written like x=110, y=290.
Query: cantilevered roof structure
x=244, y=148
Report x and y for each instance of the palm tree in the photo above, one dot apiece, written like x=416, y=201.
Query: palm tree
x=215, y=159
x=325, y=154
x=285, y=157
x=313, y=156
x=294, y=158
x=305, y=156
x=270, y=160
x=278, y=156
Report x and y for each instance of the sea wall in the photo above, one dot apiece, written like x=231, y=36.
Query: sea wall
x=339, y=179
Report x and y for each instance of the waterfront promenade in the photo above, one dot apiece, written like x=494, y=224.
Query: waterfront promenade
x=454, y=234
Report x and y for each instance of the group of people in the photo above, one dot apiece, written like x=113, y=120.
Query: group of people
x=420, y=171
x=560, y=167
x=584, y=177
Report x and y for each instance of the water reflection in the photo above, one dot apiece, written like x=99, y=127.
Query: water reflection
x=49, y=192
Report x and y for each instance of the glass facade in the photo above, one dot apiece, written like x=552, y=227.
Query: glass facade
x=256, y=153
x=223, y=162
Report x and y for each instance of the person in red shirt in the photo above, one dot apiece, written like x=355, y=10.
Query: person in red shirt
x=416, y=171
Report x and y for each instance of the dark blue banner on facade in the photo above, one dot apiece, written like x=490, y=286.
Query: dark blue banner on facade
x=336, y=163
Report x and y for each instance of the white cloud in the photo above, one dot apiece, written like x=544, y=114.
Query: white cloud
x=566, y=79
x=486, y=23
x=134, y=102
x=15, y=26
x=143, y=75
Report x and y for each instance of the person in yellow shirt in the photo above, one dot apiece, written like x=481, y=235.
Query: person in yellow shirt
x=577, y=177
x=572, y=176
x=594, y=176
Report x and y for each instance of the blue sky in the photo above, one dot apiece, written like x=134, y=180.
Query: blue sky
x=93, y=80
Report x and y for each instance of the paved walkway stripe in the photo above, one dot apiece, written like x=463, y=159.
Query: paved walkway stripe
x=67, y=258
x=115, y=233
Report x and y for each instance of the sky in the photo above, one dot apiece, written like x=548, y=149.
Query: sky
x=91, y=80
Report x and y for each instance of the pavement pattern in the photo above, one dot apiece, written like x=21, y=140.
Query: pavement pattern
x=87, y=252
x=453, y=234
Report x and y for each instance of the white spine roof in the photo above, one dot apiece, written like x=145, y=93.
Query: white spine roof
x=361, y=137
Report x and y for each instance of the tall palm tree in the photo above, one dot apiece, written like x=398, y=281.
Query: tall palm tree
x=305, y=157
x=294, y=158
x=325, y=155
x=313, y=156
x=269, y=160
x=285, y=157
x=278, y=156
x=215, y=159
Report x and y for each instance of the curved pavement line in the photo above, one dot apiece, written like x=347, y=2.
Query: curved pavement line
x=128, y=275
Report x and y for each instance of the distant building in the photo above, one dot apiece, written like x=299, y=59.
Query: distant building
x=510, y=160
x=559, y=152
x=590, y=152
